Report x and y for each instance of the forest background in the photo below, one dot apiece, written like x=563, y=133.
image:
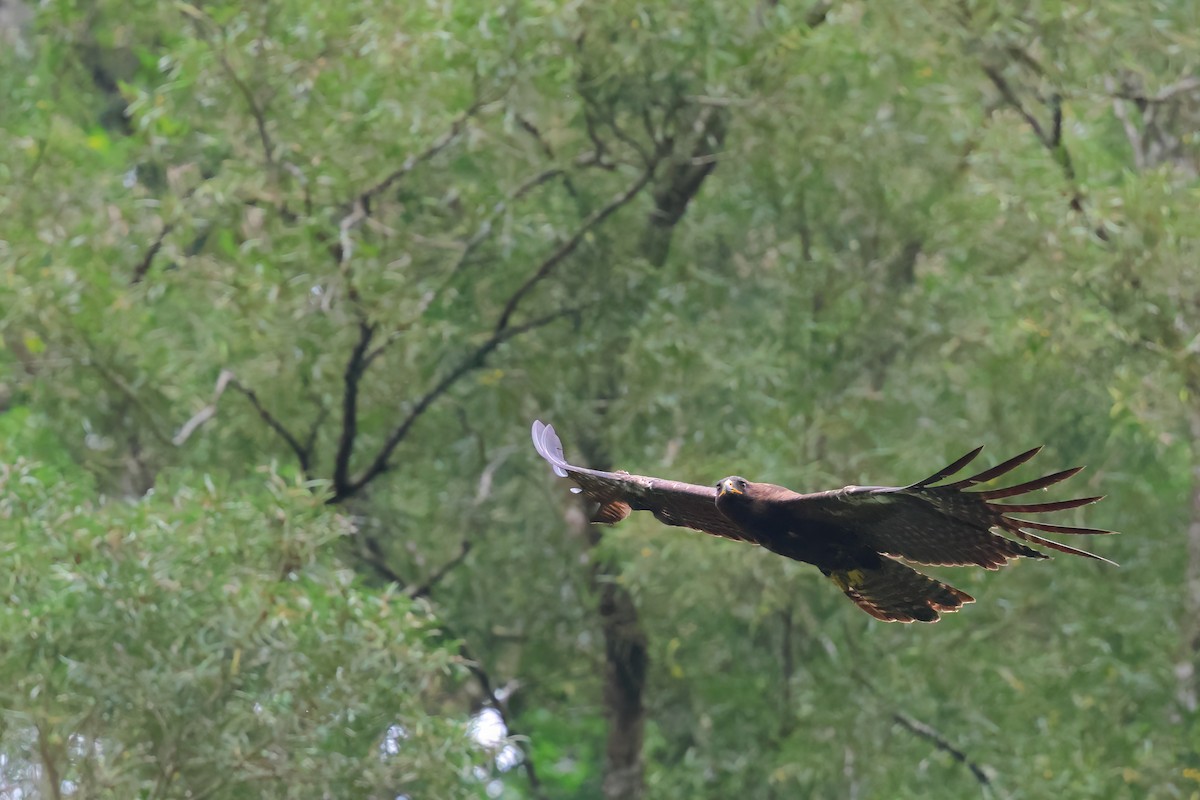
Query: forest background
x=285, y=282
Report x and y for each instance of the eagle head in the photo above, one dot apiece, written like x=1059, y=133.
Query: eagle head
x=732, y=485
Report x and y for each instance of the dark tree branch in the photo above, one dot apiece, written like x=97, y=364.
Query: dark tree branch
x=926, y=731
x=205, y=24
x=482, y=492
x=256, y=110
x=472, y=361
x=423, y=588
x=481, y=235
x=310, y=440
x=355, y=368
x=227, y=380
x=375, y=558
x=1052, y=140
x=1163, y=95
x=303, y=453
x=122, y=386
x=942, y=743
x=485, y=228
x=1011, y=99
x=475, y=667
x=567, y=247
x=343, y=486
x=360, y=206
x=143, y=266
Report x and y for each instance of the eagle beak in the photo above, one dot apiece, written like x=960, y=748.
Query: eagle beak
x=728, y=486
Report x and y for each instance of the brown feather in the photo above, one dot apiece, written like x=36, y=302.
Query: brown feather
x=947, y=471
x=612, y=512
x=1029, y=486
x=996, y=471
x=1040, y=508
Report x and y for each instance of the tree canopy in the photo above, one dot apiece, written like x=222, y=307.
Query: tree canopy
x=285, y=283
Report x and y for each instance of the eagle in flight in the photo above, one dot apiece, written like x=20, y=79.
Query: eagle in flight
x=859, y=536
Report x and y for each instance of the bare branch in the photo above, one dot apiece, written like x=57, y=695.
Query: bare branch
x=1163, y=95
x=482, y=492
x=360, y=206
x=205, y=414
x=122, y=386
x=205, y=25
x=485, y=228
x=143, y=266
x=302, y=453
x=310, y=441
x=227, y=380
x=355, y=368
x=927, y=731
x=504, y=330
x=425, y=587
x=474, y=360
x=1011, y=98
x=488, y=687
x=567, y=247
x=374, y=557
x=942, y=743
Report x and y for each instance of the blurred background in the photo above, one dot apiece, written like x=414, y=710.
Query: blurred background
x=286, y=282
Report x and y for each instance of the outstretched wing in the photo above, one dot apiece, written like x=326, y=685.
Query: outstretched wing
x=618, y=493
x=943, y=524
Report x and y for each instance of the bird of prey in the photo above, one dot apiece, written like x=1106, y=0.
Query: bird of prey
x=859, y=536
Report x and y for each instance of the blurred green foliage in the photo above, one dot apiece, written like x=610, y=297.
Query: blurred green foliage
x=930, y=225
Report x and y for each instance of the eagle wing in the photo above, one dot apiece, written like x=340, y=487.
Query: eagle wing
x=684, y=504
x=936, y=523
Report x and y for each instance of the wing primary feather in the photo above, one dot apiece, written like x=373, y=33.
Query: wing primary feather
x=996, y=471
x=947, y=471
x=1041, y=508
x=1062, y=548
x=1051, y=528
x=1030, y=486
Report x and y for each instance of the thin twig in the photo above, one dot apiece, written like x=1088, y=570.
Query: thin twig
x=122, y=386
x=1011, y=98
x=487, y=686
x=143, y=266
x=360, y=206
x=472, y=361
x=425, y=587
x=203, y=23
x=227, y=380
x=927, y=731
x=567, y=247
x=482, y=492
x=303, y=454
x=942, y=743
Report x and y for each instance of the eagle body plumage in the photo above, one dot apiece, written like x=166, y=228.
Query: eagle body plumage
x=859, y=536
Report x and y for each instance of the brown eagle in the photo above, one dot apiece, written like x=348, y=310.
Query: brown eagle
x=854, y=535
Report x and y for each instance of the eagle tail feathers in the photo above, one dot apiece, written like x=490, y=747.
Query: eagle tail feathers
x=894, y=592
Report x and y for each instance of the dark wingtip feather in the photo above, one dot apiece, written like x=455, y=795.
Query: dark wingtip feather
x=948, y=470
x=1062, y=548
x=1042, y=508
x=1069, y=529
x=998, y=470
x=1029, y=486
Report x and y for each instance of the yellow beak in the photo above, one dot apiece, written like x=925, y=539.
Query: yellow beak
x=728, y=486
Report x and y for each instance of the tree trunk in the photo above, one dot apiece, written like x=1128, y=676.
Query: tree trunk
x=1189, y=661
x=625, y=651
